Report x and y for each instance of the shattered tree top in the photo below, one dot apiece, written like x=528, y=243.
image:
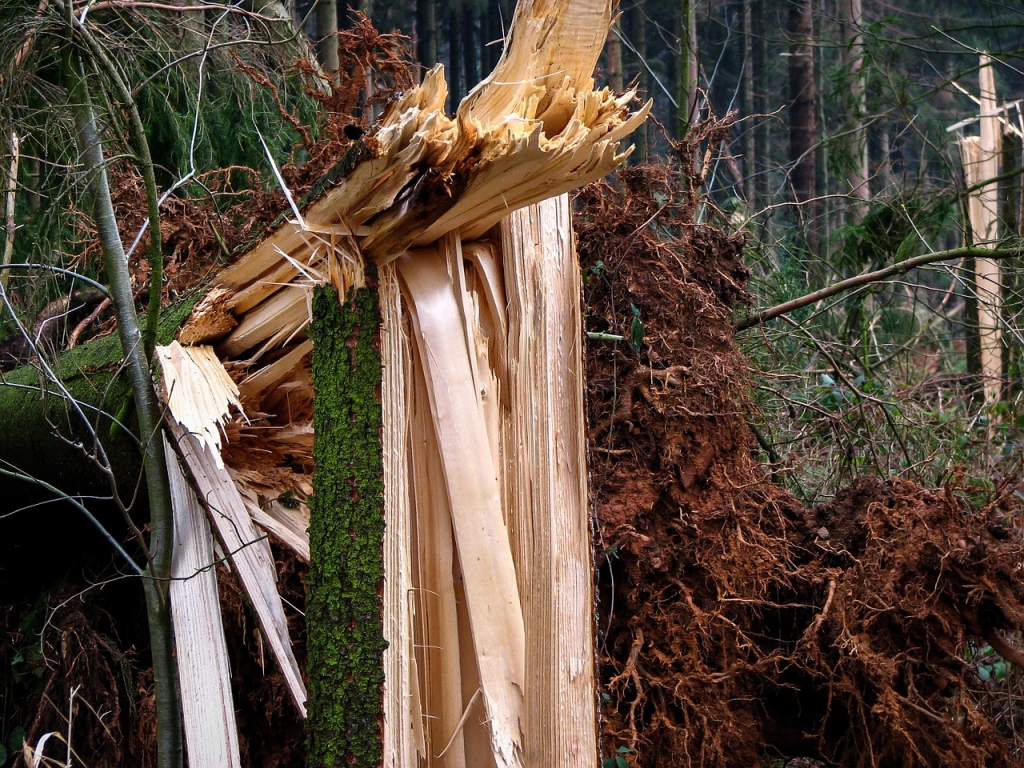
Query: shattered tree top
x=534, y=129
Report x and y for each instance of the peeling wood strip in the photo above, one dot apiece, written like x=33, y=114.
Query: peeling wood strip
x=547, y=486
x=276, y=372
x=485, y=556
x=286, y=308
x=289, y=526
x=204, y=673
x=248, y=553
x=403, y=726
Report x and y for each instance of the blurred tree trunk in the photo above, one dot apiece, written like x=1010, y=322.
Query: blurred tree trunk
x=470, y=68
x=748, y=108
x=327, y=37
x=803, y=123
x=613, y=53
x=1010, y=224
x=426, y=32
x=686, y=87
x=851, y=19
x=454, y=70
x=758, y=71
x=638, y=29
x=492, y=23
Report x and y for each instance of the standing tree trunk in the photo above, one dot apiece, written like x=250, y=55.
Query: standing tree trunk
x=426, y=32
x=613, y=50
x=803, y=121
x=639, y=29
x=852, y=21
x=327, y=37
x=981, y=163
x=470, y=68
x=759, y=64
x=455, y=82
x=1011, y=271
x=686, y=88
x=749, y=109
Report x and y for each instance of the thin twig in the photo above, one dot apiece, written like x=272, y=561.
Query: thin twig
x=12, y=186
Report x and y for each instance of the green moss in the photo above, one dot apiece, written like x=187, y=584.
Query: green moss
x=344, y=610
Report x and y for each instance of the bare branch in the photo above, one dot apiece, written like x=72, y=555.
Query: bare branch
x=878, y=275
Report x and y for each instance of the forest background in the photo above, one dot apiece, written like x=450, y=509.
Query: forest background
x=839, y=160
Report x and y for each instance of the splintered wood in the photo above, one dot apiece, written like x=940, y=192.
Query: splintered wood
x=980, y=157
x=488, y=604
x=204, y=673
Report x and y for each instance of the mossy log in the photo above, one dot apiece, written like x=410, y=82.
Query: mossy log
x=43, y=437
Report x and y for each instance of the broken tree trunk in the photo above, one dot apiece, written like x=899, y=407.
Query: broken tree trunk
x=439, y=396
x=980, y=155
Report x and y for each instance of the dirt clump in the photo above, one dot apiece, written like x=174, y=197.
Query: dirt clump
x=736, y=624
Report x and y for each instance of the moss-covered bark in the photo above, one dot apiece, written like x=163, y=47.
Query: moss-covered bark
x=39, y=431
x=343, y=611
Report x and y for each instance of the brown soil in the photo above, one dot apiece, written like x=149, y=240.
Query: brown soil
x=736, y=624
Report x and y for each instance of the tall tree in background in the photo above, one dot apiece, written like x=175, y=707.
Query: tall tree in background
x=852, y=21
x=456, y=86
x=327, y=36
x=686, y=88
x=748, y=107
x=470, y=13
x=803, y=93
x=426, y=32
x=638, y=30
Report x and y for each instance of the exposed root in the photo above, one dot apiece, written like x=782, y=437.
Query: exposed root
x=740, y=624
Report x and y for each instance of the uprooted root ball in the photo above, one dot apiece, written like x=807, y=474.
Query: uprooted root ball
x=736, y=625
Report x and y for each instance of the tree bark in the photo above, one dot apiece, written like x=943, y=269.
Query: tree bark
x=802, y=110
x=344, y=609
